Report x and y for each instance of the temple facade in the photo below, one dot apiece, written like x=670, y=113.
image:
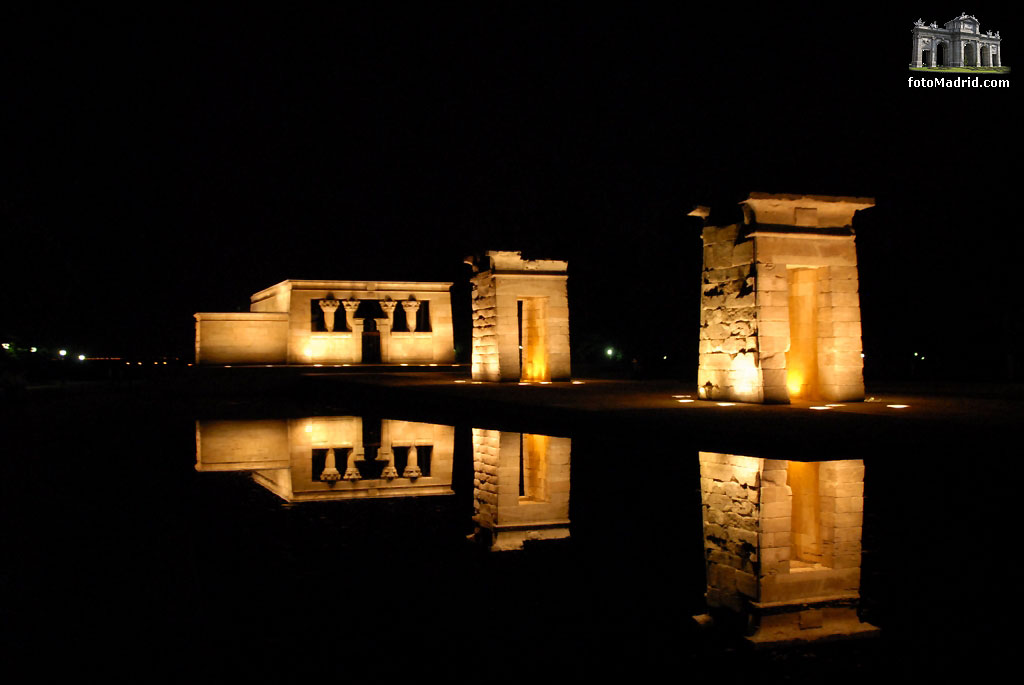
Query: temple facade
x=333, y=322
x=959, y=43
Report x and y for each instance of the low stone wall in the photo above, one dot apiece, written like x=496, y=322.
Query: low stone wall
x=241, y=338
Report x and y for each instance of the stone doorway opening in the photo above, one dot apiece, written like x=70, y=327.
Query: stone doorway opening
x=533, y=339
x=926, y=56
x=806, y=529
x=802, y=358
x=940, y=55
x=533, y=467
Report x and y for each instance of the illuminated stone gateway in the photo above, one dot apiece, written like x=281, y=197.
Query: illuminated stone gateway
x=782, y=544
x=520, y=319
x=333, y=322
x=780, y=311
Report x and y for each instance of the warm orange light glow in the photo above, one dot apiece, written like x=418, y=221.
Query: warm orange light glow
x=726, y=404
x=535, y=334
x=806, y=532
x=897, y=406
x=802, y=357
x=685, y=401
x=534, y=465
x=819, y=408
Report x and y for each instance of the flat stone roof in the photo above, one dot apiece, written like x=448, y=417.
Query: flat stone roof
x=367, y=286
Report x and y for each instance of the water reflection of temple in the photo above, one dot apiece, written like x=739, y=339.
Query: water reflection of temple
x=782, y=543
x=332, y=457
x=521, y=480
x=520, y=487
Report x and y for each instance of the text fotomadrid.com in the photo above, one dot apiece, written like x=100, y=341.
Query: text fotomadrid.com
x=958, y=82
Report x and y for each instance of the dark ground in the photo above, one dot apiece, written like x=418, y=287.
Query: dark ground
x=122, y=560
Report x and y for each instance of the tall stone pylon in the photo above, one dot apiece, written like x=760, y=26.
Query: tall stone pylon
x=780, y=307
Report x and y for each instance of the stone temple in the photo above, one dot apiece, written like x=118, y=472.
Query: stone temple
x=333, y=322
x=959, y=43
x=780, y=310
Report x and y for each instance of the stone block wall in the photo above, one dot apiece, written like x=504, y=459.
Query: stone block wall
x=749, y=535
x=729, y=359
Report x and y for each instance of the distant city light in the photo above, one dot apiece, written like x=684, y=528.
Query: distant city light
x=63, y=353
x=81, y=357
x=33, y=349
x=7, y=346
x=609, y=352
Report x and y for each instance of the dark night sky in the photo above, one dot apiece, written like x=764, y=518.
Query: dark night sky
x=159, y=164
